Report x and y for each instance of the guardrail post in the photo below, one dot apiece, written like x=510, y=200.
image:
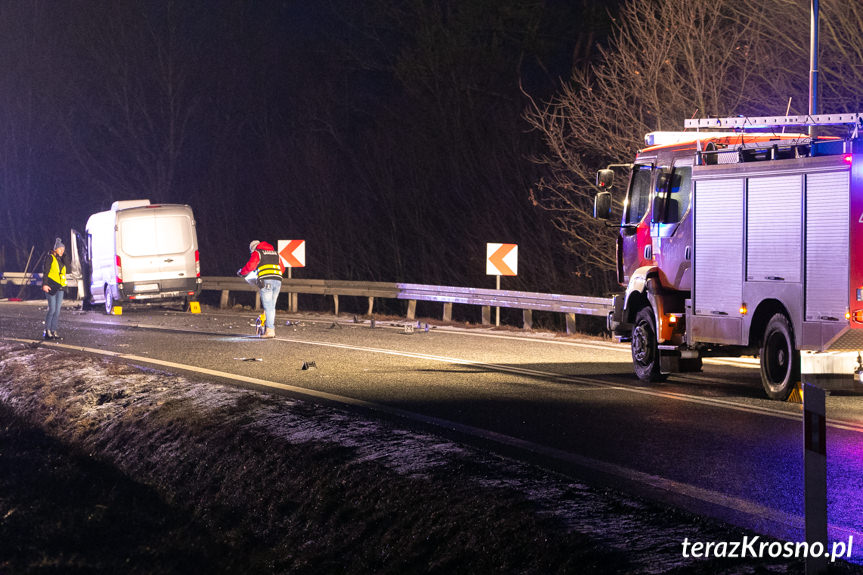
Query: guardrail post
x=815, y=474
x=447, y=311
x=223, y=302
x=336, y=303
x=257, y=300
x=570, y=323
x=527, y=316
x=412, y=309
x=371, y=305
x=486, y=315
x=295, y=305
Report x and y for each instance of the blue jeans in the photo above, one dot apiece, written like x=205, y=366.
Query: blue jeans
x=269, y=295
x=55, y=302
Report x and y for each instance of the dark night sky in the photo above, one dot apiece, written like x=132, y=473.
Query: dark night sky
x=387, y=134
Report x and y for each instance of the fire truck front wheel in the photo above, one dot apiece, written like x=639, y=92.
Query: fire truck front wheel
x=780, y=360
x=645, y=350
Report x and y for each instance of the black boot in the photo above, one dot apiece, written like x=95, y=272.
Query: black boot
x=47, y=335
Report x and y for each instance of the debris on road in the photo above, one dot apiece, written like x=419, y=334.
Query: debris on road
x=309, y=365
x=249, y=358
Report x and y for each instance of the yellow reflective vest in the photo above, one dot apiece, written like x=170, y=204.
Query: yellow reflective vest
x=57, y=272
x=268, y=267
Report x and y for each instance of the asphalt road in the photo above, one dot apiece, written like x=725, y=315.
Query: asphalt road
x=708, y=442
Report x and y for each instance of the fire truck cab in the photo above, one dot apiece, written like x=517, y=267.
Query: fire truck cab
x=743, y=242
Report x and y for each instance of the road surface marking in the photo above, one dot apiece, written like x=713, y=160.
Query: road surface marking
x=701, y=494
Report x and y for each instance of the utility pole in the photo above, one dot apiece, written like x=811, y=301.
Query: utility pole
x=813, y=62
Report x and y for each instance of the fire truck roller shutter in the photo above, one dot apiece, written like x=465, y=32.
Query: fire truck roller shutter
x=827, y=213
x=773, y=228
x=718, y=259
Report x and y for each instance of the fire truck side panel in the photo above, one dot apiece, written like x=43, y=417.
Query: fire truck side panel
x=718, y=265
x=774, y=232
x=770, y=229
x=827, y=261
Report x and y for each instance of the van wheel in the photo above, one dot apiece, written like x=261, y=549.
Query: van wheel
x=645, y=349
x=109, y=301
x=780, y=361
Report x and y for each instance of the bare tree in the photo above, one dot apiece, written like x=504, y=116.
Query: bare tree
x=840, y=53
x=131, y=108
x=667, y=60
x=28, y=202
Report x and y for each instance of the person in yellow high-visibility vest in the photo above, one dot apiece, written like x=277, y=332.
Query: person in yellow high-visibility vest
x=265, y=261
x=54, y=284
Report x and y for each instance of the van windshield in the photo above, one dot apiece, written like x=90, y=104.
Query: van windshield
x=150, y=236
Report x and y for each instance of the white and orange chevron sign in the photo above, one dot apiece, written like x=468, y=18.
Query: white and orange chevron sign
x=501, y=259
x=292, y=253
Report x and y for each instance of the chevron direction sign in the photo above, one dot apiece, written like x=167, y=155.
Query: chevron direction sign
x=292, y=253
x=501, y=259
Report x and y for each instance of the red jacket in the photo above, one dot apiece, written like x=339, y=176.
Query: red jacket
x=255, y=259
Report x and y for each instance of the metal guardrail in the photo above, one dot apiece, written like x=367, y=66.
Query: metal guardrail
x=21, y=279
x=571, y=305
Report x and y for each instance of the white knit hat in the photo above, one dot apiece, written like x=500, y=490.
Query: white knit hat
x=253, y=245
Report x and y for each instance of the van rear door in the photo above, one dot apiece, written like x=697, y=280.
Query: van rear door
x=157, y=243
x=176, y=243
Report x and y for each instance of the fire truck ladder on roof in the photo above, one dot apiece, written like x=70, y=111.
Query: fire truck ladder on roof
x=743, y=122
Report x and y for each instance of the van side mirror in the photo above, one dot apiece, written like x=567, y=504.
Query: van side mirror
x=602, y=205
x=604, y=179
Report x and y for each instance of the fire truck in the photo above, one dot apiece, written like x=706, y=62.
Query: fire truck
x=744, y=240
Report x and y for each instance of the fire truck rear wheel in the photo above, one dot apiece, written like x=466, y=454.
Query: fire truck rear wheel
x=645, y=350
x=780, y=360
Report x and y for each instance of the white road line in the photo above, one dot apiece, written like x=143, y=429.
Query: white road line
x=714, y=402
x=709, y=401
x=704, y=495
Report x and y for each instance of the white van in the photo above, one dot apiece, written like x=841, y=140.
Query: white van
x=141, y=252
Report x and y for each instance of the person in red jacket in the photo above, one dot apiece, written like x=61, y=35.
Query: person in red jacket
x=265, y=262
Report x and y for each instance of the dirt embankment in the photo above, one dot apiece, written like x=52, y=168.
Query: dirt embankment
x=114, y=468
